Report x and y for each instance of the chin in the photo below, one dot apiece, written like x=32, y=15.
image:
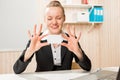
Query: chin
x=56, y=32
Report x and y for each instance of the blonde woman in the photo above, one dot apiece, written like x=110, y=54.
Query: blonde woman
x=53, y=56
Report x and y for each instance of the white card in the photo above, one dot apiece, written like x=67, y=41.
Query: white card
x=54, y=39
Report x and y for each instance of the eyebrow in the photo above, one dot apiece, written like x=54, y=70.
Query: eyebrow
x=55, y=16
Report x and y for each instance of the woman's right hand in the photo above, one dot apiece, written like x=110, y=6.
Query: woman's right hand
x=35, y=43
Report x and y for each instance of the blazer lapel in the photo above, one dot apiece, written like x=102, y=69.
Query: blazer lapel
x=49, y=52
x=50, y=55
x=63, y=52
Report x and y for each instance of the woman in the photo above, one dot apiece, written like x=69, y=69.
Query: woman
x=51, y=57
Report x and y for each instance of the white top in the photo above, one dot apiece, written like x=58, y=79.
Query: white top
x=56, y=54
x=55, y=39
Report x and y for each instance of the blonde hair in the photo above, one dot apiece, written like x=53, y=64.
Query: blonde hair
x=56, y=4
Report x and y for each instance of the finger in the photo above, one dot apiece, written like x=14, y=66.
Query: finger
x=41, y=37
x=29, y=34
x=64, y=36
x=40, y=29
x=34, y=31
x=79, y=36
x=45, y=44
x=74, y=30
x=68, y=30
x=64, y=44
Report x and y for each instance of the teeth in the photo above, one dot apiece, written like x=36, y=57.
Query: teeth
x=54, y=27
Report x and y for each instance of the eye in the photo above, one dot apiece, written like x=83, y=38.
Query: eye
x=59, y=18
x=49, y=18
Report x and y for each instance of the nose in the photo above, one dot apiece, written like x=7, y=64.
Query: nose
x=54, y=21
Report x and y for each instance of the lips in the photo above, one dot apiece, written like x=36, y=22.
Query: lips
x=54, y=27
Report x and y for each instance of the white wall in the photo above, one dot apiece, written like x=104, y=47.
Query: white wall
x=16, y=17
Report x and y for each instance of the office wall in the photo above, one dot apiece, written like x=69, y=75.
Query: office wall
x=16, y=17
x=109, y=34
x=7, y=60
x=101, y=44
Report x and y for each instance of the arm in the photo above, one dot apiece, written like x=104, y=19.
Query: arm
x=74, y=47
x=85, y=62
x=34, y=45
x=20, y=65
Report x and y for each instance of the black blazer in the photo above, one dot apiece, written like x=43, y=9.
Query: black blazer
x=44, y=59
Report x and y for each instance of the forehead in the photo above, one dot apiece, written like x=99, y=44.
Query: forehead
x=54, y=11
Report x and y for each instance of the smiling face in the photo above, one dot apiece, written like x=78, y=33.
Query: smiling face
x=54, y=19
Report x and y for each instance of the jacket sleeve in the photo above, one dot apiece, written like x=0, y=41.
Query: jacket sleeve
x=85, y=63
x=20, y=65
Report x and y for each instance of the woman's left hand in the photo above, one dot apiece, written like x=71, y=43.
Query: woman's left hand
x=73, y=40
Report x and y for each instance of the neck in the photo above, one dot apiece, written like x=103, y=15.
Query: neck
x=55, y=33
x=56, y=45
